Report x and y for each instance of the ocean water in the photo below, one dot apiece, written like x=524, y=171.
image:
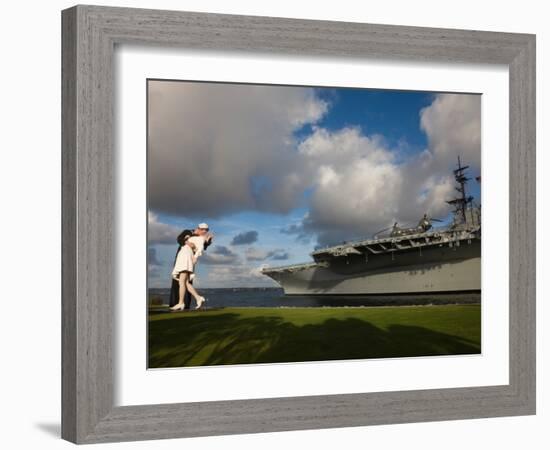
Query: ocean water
x=274, y=297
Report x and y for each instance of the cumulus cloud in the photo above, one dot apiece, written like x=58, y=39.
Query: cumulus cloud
x=453, y=126
x=159, y=232
x=360, y=187
x=247, y=237
x=218, y=255
x=298, y=230
x=153, y=264
x=259, y=254
x=238, y=275
x=219, y=148
x=280, y=255
x=152, y=257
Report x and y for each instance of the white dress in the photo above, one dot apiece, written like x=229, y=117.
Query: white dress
x=199, y=244
x=184, y=262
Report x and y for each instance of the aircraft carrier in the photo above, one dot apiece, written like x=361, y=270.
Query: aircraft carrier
x=415, y=260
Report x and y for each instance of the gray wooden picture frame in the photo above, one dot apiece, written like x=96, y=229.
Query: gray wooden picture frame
x=89, y=37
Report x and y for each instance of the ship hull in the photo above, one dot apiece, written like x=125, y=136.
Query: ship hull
x=439, y=270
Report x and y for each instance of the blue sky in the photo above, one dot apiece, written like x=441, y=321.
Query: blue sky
x=290, y=168
x=392, y=114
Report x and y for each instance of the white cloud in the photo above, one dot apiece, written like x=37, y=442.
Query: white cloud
x=360, y=187
x=154, y=266
x=453, y=126
x=219, y=254
x=261, y=254
x=159, y=232
x=218, y=148
x=238, y=275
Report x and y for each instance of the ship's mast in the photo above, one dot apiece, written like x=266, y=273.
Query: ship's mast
x=460, y=203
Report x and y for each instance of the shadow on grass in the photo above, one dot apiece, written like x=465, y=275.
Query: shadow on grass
x=230, y=339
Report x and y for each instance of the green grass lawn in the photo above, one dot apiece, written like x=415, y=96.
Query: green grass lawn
x=269, y=335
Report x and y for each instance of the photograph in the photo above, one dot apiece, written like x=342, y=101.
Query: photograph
x=290, y=224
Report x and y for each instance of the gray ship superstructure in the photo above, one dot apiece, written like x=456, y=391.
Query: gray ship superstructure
x=414, y=260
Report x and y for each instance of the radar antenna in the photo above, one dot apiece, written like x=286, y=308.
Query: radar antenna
x=461, y=202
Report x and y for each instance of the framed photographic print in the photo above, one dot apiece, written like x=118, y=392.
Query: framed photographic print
x=268, y=222
x=287, y=177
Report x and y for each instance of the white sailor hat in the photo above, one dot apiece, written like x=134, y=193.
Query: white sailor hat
x=203, y=226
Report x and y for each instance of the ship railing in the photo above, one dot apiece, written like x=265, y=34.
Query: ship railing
x=293, y=267
x=394, y=244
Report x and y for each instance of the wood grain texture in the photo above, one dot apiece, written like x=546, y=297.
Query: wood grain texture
x=68, y=226
x=89, y=36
